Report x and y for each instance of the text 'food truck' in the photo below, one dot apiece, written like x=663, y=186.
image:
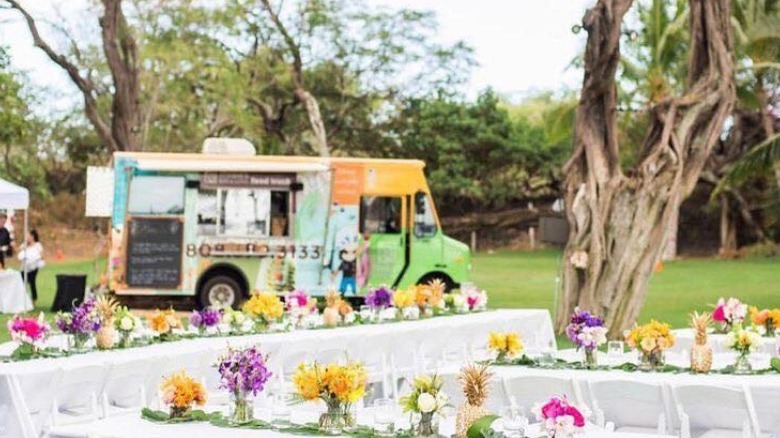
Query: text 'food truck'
x=219, y=226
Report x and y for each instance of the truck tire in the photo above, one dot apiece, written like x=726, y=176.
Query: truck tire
x=220, y=291
x=450, y=285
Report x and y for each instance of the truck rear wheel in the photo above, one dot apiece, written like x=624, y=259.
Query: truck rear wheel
x=220, y=291
x=449, y=284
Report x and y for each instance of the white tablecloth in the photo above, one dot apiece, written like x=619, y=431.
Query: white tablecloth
x=402, y=341
x=13, y=298
x=685, y=338
x=132, y=426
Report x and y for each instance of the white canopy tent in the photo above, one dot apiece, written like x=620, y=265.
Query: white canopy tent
x=14, y=197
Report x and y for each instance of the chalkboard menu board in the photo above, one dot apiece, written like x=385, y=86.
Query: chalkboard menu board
x=154, y=247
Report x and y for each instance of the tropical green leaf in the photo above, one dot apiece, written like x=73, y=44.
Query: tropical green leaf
x=478, y=428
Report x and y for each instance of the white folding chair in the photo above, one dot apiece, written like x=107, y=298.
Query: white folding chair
x=76, y=395
x=709, y=411
x=14, y=418
x=37, y=388
x=530, y=390
x=630, y=406
x=125, y=388
x=331, y=355
x=766, y=403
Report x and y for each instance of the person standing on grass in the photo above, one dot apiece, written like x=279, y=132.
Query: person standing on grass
x=6, y=238
x=31, y=256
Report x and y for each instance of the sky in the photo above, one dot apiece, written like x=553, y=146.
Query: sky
x=521, y=46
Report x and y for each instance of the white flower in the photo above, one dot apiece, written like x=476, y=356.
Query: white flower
x=458, y=301
x=441, y=400
x=593, y=336
x=126, y=324
x=349, y=318
x=426, y=403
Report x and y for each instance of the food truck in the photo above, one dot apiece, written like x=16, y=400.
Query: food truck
x=223, y=223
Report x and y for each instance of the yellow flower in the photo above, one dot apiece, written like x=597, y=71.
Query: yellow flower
x=405, y=298
x=182, y=391
x=650, y=337
x=264, y=305
x=164, y=321
x=345, y=383
x=507, y=343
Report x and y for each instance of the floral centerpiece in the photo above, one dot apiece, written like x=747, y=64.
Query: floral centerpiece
x=265, y=308
x=769, y=319
x=588, y=333
x=299, y=305
x=337, y=310
x=379, y=299
x=559, y=418
x=163, y=322
x=339, y=386
x=729, y=312
x=244, y=373
x=106, y=306
x=234, y=319
x=206, y=320
x=406, y=301
x=744, y=342
x=425, y=401
x=475, y=298
x=506, y=345
x=125, y=323
x=651, y=340
x=180, y=392
x=29, y=332
x=82, y=323
x=429, y=296
x=456, y=303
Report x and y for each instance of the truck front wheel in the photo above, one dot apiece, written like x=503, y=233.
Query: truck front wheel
x=220, y=291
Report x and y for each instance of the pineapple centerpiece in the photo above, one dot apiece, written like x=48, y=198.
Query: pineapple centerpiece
x=475, y=380
x=701, y=352
x=106, y=307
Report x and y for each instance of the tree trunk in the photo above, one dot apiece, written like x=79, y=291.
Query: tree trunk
x=618, y=220
x=728, y=229
x=670, y=242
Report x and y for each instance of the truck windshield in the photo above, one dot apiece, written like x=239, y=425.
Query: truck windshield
x=156, y=195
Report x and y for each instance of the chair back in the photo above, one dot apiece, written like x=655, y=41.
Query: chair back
x=79, y=387
x=628, y=403
x=711, y=407
x=124, y=382
x=766, y=402
x=530, y=390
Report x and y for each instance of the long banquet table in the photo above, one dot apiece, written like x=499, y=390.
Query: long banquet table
x=400, y=343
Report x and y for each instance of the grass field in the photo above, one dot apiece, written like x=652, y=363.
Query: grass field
x=527, y=279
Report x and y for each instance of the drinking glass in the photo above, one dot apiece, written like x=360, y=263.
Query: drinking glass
x=615, y=349
x=514, y=421
x=547, y=358
x=280, y=412
x=384, y=417
x=365, y=313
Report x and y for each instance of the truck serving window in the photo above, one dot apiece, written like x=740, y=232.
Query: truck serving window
x=247, y=212
x=151, y=195
x=424, y=220
x=380, y=215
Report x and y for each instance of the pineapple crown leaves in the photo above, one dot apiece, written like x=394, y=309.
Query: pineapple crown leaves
x=475, y=380
x=106, y=306
x=700, y=322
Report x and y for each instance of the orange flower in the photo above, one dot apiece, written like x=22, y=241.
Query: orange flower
x=181, y=391
x=164, y=321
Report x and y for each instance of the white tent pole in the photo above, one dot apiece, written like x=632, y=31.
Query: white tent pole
x=24, y=239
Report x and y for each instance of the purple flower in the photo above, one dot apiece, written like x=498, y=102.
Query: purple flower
x=84, y=319
x=378, y=299
x=208, y=317
x=244, y=371
x=581, y=329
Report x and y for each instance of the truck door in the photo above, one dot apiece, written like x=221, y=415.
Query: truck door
x=382, y=221
x=426, y=240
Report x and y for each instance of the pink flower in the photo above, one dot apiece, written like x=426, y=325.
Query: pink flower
x=579, y=419
x=718, y=315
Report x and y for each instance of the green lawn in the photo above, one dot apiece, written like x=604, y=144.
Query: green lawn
x=522, y=279
x=527, y=279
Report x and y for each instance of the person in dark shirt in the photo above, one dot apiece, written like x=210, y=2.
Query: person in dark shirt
x=6, y=239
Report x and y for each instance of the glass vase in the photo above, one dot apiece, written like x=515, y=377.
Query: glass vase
x=178, y=412
x=124, y=339
x=241, y=408
x=742, y=364
x=590, y=358
x=426, y=426
x=336, y=419
x=651, y=361
x=79, y=341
